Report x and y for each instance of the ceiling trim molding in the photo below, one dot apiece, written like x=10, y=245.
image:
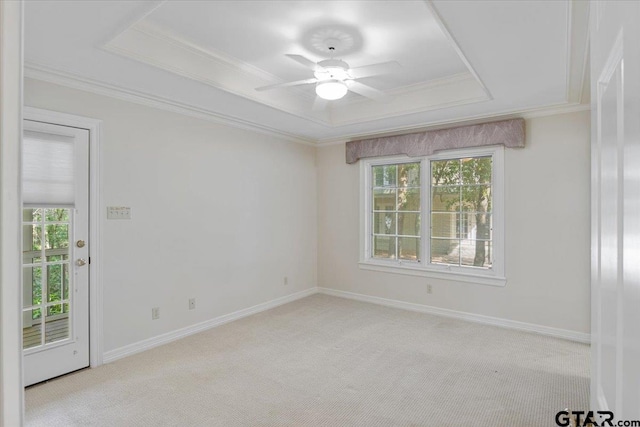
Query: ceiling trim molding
x=552, y=110
x=577, y=48
x=456, y=47
x=62, y=78
x=147, y=9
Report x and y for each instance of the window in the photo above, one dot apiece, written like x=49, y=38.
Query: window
x=437, y=216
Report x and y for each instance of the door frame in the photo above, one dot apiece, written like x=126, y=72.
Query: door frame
x=94, y=126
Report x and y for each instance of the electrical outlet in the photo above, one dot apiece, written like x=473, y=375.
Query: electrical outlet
x=286, y=280
x=192, y=303
x=155, y=313
x=429, y=289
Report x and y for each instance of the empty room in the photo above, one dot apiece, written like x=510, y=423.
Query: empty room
x=319, y=213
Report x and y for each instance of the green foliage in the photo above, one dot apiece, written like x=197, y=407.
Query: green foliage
x=56, y=237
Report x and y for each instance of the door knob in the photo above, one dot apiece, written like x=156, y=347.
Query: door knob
x=80, y=243
x=80, y=262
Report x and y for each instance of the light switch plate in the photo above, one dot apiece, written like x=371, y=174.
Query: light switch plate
x=118, y=212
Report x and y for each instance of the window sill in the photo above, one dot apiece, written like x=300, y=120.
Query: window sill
x=480, y=279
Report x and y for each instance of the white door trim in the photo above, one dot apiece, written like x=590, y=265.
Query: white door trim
x=11, y=66
x=94, y=126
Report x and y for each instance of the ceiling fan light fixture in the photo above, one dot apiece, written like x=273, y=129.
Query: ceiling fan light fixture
x=331, y=89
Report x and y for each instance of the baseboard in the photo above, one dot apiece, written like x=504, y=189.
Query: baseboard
x=470, y=317
x=168, y=337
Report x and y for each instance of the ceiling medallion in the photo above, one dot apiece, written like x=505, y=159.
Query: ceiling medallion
x=333, y=40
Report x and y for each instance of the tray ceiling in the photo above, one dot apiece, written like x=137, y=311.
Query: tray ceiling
x=459, y=60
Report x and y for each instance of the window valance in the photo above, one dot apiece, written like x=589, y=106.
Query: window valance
x=509, y=133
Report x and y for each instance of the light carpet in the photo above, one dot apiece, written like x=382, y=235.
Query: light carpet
x=327, y=361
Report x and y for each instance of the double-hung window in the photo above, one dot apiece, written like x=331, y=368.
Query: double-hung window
x=440, y=216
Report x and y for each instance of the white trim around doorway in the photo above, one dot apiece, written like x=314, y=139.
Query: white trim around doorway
x=94, y=126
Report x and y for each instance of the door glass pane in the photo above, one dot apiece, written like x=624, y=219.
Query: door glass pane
x=57, y=215
x=55, y=278
x=32, y=285
x=57, y=324
x=46, y=278
x=32, y=330
x=57, y=236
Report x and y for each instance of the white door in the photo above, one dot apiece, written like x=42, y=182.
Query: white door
x=615, y=74
x=55, y=185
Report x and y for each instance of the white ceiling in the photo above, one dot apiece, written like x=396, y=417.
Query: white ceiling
x=459, y=60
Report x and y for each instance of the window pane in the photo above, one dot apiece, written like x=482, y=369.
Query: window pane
x=461, y=211
x=474, y=225
x=384, y=247
x=384, y=223
x=445, y=172
x=476, y=170
x=384, y=176
x=445, y=199
x=443, y=224
x=476, y=198
x=445, y=251
x=409, y=199
x=384, y=200
x=475, y=253
x=409, y=224
x=409, y=248
x=396, y=211
x=409, y=175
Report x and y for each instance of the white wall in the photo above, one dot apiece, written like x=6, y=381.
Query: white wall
x=547, y=233
x=219, y=214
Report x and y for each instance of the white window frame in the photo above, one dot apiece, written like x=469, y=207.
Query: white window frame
x=494, y=276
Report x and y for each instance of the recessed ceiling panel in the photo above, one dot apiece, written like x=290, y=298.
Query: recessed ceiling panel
x=238, y=46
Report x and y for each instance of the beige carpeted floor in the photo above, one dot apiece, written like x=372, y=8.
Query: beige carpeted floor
x=326, y=361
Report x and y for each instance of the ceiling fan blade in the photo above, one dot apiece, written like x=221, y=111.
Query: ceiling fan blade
x=319, y=104
x=367, y=91
x=375, y=69
x=288, y=84
x=304, y=61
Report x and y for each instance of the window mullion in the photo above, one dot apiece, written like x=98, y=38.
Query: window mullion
x=425, y=204
x=396, y=213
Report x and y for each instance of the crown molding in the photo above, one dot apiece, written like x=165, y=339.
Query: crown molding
x=38, y=72
x=551, y=110
x=73, y=81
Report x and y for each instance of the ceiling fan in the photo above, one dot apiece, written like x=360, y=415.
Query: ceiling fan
x=334, y=78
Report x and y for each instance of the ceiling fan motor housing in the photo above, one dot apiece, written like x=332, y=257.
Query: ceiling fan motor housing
x=332, y=69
